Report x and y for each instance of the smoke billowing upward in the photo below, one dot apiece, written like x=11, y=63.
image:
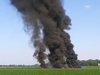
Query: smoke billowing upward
x=48, y=16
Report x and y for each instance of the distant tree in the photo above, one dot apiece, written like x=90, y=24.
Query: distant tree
x=89, y=62
x=36, y=64
x=0, y=65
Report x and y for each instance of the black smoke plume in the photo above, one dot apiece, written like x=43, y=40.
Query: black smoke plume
x=48, y=16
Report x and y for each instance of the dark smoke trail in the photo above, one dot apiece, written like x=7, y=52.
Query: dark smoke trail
x=48, y=16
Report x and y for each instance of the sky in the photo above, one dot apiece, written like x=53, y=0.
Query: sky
x=15, y=46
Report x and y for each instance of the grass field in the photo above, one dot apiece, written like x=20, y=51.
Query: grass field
x=37, y=71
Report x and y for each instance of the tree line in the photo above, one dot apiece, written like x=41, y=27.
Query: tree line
x=13, y=65
x=89, y=62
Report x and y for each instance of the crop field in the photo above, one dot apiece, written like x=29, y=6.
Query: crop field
x=37, y=71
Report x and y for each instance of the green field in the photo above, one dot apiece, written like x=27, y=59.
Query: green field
x=37, y=71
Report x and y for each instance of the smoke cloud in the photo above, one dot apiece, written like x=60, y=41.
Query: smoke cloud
x=48, y=16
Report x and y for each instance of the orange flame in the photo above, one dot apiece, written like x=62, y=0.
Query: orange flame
x=62, y=68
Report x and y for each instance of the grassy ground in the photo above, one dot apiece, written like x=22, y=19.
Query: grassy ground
x=37, y=71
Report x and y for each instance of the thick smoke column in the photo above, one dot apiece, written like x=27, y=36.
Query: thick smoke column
x=48, y=16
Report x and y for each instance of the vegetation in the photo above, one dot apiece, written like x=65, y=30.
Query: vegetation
x=89, y=62
x=90, y=70
x=89, y=67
